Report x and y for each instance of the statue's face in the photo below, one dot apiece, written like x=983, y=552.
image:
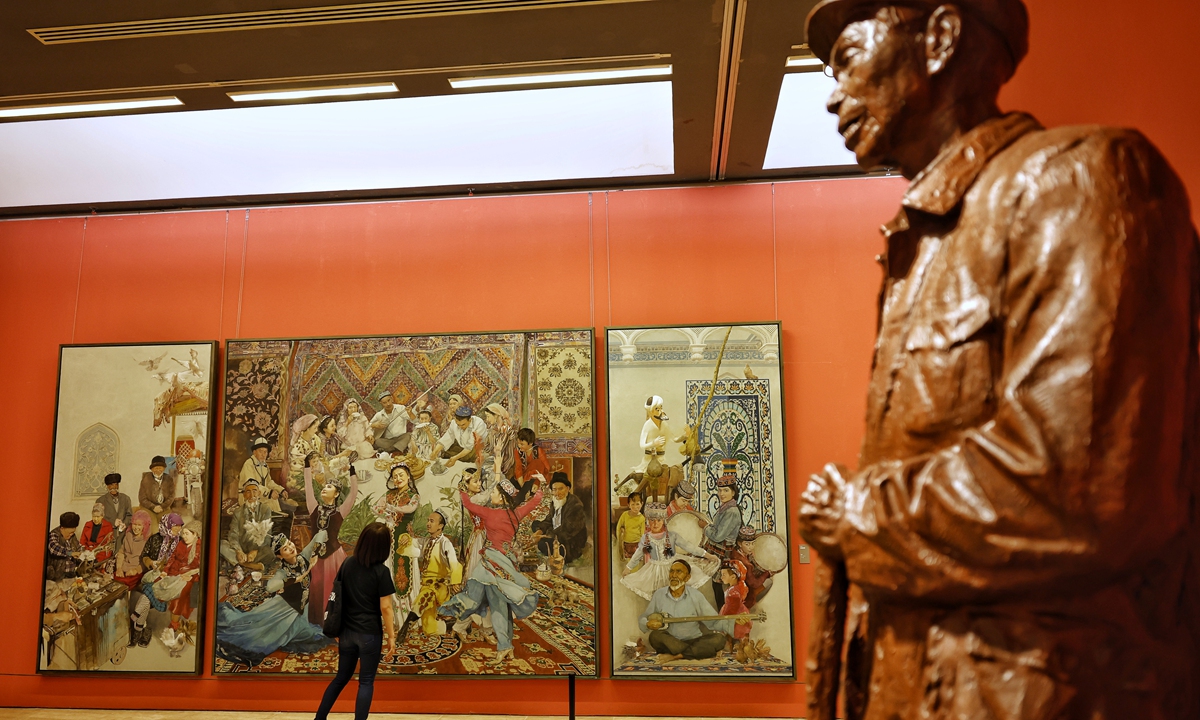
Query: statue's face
x=882, y=92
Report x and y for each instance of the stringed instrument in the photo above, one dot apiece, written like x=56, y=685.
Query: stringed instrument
x=759, y=616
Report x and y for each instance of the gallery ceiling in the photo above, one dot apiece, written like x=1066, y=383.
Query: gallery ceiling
x=725, y=62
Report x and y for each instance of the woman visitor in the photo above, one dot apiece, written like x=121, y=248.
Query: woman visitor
x=368, y=630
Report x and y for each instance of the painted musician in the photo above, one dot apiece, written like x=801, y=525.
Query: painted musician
x=720, y=535
x=688, y=640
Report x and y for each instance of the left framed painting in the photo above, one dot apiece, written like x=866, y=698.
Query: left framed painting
x=123, y=582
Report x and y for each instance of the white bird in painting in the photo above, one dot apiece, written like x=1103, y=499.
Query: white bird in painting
x=198, y=432
x=176, y=642
x=165, y=378
x=257, y=530
x=152, y=364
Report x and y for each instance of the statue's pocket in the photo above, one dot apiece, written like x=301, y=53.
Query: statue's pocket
x=942, y=382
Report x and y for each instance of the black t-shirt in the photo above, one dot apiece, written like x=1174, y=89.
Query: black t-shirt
x=361, y=589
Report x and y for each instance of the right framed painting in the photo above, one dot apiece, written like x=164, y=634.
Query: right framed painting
x=698, y=520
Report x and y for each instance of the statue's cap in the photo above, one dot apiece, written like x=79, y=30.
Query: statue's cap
x=1008, y=18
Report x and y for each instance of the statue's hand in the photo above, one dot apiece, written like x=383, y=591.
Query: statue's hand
x=822, y=505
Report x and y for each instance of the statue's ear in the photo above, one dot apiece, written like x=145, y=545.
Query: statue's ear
x=942, y=35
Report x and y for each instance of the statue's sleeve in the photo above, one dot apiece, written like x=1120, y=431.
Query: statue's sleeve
x=1077, y=472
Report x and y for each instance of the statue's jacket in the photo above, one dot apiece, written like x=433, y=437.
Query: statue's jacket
x=1020, y=536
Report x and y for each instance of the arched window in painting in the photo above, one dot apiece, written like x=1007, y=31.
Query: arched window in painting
x=97, y=453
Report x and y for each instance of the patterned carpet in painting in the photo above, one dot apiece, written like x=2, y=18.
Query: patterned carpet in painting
x=557, y=639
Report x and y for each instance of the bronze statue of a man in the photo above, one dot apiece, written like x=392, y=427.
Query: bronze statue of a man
x=1020, y=539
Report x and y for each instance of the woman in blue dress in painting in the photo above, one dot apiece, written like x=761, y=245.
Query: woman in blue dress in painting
x=258, y=622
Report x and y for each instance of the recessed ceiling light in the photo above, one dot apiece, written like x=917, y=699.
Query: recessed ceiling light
x=560, y=78
x=805, y=61
x=317, y=92
x=101, y=106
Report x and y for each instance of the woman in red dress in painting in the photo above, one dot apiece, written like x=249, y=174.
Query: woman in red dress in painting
x=184, y=562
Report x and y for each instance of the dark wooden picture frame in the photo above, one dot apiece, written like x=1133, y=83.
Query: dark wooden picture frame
x=275, y=386
x=678, y=364
x=112, y=403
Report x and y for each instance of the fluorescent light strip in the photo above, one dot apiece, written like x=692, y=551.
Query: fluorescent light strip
x=559, y=78
x=319, y=92
x=88, y=107
x=804, y=62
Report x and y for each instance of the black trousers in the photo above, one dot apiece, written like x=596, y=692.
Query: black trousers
x=354, y=648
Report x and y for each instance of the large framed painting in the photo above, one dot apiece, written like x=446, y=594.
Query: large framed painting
x=123, y=586
x=698, y=522
x=476, y=450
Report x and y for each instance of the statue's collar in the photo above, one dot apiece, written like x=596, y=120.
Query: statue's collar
x=940, y=187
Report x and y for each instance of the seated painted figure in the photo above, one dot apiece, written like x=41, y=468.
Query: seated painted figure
x=273, y=617
x=689, y=639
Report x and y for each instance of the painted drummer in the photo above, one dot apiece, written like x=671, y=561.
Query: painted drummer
x=650, y=566
x=681, y=497
x=758, y=580
x=721, y=535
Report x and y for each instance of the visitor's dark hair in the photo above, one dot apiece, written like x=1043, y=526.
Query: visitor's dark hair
x=68, y=520
x=373, y=544
x=324, y=423
x=527, y=435
x=635, y=494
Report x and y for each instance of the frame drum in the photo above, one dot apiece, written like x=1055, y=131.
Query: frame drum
x=686, y=524
x=770, y=552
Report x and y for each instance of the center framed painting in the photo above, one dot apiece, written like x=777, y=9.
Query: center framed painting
x=476, y=450
x=698, y=523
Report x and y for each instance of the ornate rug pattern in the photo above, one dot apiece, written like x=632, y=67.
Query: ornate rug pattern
x=557, y=639
x=738, y=426
x=481, y=368
x=723, y=664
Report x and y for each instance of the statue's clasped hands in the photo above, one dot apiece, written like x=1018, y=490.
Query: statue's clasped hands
x=822, y=505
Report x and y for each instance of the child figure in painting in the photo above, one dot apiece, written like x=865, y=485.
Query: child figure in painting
x=424, y=435
x=355, y=430
x=733, y=574
x=631, y=526
x=649, y=567
x=681, y=497
x=325, y=514
x=440, y=571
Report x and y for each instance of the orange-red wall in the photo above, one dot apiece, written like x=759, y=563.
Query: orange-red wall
x=1116, y=62
x=798, y=252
